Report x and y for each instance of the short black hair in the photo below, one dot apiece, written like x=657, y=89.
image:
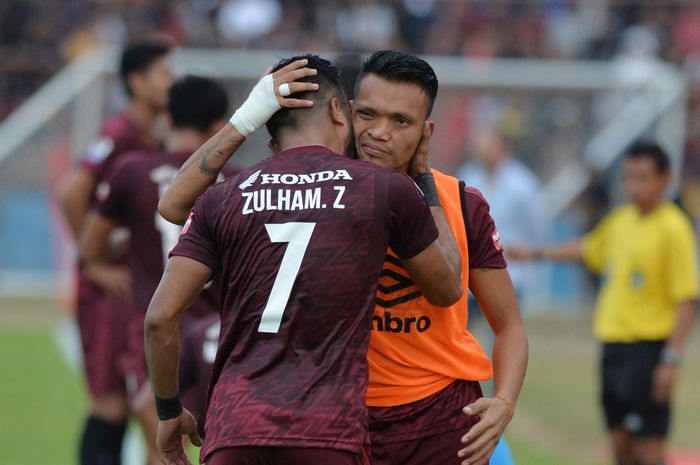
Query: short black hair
x=652, y=150
x=137, y=58
x=396, y=66
x=328, y=80
x=196, y=102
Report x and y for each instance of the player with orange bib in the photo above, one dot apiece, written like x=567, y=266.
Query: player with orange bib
x=424, y=398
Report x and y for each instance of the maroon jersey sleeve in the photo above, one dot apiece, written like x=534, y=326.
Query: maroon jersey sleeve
x=412, y=225
x=118, y=135
x=198, y=240
x=97, y=155
x=485, y=249
x=114, y=193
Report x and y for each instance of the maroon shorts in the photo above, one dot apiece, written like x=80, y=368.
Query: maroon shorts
x=199, y=339
x=285, y=456
x=427, y=431
x=103, y=338
x=133, y=361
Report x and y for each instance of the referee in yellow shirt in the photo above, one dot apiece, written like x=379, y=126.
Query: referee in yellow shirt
x=646, y=253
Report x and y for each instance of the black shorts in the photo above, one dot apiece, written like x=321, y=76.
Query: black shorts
x=626, y=388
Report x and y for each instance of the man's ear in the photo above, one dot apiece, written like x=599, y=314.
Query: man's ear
x=336, y=112
x=272, y=145
x=135, y=81
x=429, y=128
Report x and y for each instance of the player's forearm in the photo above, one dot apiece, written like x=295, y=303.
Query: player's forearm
x=510, y=356
x=162, y=351
x=94, y=241
x=571, y=251
x=198, y=173
x=179, y=287
x=447, y=242
x=74, y=207
x=684, y=325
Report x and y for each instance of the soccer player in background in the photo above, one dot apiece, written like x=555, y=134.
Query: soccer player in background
x=129, y=198
x=299, y=240
x=410, y=371
x=146, y=76
x=646, y=253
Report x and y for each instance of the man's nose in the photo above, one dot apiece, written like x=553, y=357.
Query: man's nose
x=380, y=130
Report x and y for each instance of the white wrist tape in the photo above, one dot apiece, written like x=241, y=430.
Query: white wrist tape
x=257, y=109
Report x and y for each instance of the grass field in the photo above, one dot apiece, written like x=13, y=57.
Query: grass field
x=42, y=398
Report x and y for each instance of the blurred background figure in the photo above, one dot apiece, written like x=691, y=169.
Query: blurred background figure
x=646, y=253
x=511, y=189
x=103, y=312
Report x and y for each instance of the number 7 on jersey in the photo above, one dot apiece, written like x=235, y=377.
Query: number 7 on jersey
x=298, y=236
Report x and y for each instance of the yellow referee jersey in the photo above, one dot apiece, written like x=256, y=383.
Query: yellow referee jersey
x=649, y=266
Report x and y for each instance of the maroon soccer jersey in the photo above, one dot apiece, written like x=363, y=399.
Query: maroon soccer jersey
x=299, y=240
x=102, y=327
x=130, y=196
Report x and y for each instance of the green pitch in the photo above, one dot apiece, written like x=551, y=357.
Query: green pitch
x=43, y=402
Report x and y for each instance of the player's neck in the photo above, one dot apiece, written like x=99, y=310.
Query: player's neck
x=144, y=117
x=309, y=137
x=650, y=207
x=185, y=140
x=494, y=166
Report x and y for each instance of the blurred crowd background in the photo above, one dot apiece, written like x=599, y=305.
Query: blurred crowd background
x=38, y=37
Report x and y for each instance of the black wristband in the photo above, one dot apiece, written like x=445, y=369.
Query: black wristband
x=168, y=408
x=426, y=183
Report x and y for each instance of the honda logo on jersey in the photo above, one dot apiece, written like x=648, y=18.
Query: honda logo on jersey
x=250, y=181
x=295, y=179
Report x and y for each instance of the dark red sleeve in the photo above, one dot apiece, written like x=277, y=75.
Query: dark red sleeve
x=114, y=192
x=229, y=171
x=485, y=249
x=100, y=156
x=198, y=240
x=412, y=226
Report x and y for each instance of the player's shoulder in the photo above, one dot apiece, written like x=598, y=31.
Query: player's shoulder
x=473, y=198
x=127, y=162
x=675, y=218
x=361, y=167
x=367, y=168
x=136, y=160
x=117, y=134
x=621, y=212
x=118, y=126
x=237, y=183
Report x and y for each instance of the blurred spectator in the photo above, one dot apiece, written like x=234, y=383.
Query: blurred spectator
x=512, y=192
x=241, y=20
x=38, y=37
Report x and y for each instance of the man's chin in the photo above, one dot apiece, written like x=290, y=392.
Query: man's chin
x=382, y=163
